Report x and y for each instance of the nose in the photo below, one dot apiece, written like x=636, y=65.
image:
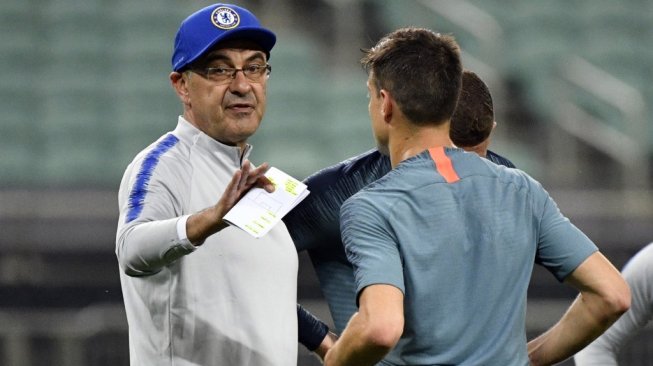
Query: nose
x=239, y=83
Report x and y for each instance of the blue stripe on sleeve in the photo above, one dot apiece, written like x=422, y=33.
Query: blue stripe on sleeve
x=139, y=191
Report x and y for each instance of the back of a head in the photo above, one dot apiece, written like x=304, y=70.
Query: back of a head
x=473, y=119
x=421, y=69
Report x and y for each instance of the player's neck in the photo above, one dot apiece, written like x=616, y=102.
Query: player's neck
x=480, y=149
x=410, y=141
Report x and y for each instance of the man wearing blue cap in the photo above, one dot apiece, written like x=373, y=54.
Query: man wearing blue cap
x=196, y=291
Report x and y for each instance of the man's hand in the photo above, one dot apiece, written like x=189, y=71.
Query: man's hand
x=209, y=221
x=326, y=345
x=242, y=181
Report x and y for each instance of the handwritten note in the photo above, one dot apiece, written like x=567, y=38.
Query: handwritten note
x=258, y=211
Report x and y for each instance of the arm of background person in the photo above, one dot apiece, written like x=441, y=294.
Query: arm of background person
x=604, y=297
x=638, y=273
x=313, y=333
x=373, y=331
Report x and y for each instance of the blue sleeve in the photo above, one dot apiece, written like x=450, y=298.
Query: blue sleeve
x=498, y=159
x=315, y=222
x=561, y=246
x=370, y=246
x=311, y=330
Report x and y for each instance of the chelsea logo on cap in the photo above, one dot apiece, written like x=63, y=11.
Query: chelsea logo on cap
x=207, y=27
x=225, y=18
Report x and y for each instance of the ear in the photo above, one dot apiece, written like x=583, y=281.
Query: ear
x=494, y=124
x=387, y=104
x=180, y=84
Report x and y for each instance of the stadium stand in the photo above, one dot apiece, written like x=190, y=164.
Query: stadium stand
x=85, y=86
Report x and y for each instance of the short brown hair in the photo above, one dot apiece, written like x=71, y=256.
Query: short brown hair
x=421, y=69
x=473, y=118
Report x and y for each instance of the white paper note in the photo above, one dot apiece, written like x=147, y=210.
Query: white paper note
x=258, y=211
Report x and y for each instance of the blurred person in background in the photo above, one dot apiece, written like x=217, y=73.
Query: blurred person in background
x=473, y=121
x=604, y=351
x=314, y=224
x=444, y=244
x=196, y=291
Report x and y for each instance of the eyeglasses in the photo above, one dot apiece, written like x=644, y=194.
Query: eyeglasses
x=223, y=75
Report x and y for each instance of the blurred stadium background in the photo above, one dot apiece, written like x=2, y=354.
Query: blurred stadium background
x=85, y=86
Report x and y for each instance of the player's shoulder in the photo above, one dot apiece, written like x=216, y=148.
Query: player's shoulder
x=521, y=181
x=513, y=176
x=408, y=174
x=470, y=165
x=381, y=191
x=499, y=159
x=360, y=169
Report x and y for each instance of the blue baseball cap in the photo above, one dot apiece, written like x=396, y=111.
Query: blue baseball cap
x=203, y=29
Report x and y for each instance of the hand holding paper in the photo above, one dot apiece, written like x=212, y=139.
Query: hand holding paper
x=258, y=211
